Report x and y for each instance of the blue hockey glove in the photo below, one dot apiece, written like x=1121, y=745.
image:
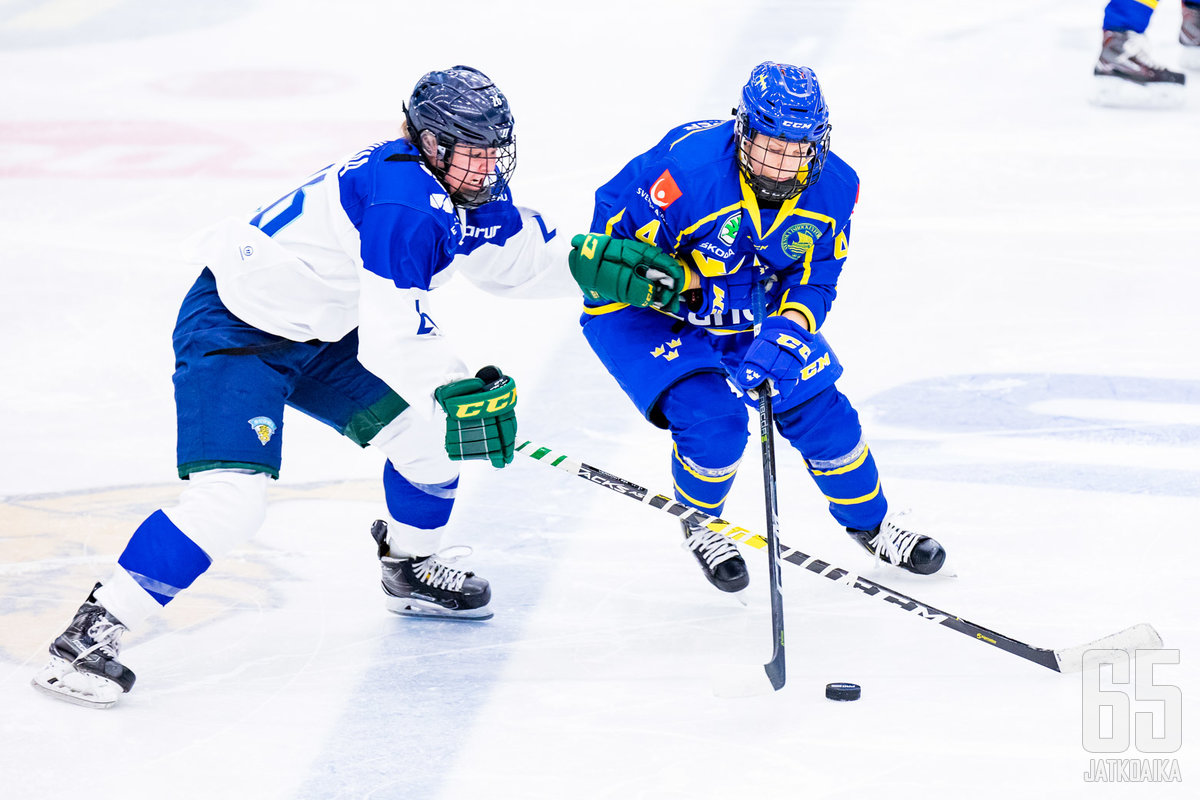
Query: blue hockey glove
x=721, y=294
x=778, y=353
x=481, y=422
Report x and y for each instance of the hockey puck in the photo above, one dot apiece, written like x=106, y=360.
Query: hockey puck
x=843, y=691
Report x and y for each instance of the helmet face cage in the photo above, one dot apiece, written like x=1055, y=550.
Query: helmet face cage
x=785, y=103
x=463, y=126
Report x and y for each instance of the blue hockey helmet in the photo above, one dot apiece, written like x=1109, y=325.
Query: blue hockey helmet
x=461, y=106
x=782, y=102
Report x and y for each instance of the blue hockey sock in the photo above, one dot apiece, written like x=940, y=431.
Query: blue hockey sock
x=162, y=559
x=708, y=425
x=423, y=506
x=851, y=485
x=827, y=433
x=1128, y=15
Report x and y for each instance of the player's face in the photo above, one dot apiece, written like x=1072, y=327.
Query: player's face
x=776, y=159
x=470, y=168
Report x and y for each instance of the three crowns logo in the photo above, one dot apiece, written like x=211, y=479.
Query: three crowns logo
x=671, y=355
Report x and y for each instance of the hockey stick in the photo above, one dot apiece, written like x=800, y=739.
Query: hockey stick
x=1069, y=659
x=775, y=668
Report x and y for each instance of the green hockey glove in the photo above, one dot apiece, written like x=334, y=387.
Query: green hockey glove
x=480, y=418
x=626, y=270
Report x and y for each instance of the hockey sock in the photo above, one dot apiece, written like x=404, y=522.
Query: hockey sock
x=1128, y=15
x=422, y=511
x=827, y=432
x=850, y=483
x=708, y=426
x=162, y=559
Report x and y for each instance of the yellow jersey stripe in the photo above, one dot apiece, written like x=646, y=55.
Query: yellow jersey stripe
x=697, y=475
x=853, y=465
x=612, y=222
x=790, y=305
x=693, y=501
x=855, y=500
x=606, y=309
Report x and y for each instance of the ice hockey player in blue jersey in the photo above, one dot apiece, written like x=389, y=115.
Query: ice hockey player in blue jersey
x=679, y=239
x=321, y=301
x=1125, y=74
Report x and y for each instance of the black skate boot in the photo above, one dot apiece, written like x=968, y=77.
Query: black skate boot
x=1189, y=36
x=83, y=666
x=723, y=565
x=894, y=544
x=1125, y=75
x=429, y=587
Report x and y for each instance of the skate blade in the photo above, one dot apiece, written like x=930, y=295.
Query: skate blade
x=63, y=682
x=1120, y=93
x=412, y=607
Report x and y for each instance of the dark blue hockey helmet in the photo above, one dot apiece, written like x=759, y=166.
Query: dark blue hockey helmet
x=782, y=102
x=461, y=108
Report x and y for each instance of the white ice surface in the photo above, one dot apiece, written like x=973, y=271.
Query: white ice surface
x=1017, y=319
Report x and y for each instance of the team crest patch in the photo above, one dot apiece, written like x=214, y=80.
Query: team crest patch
x=263, y=427
x=799, y=239
x=665, y=191
x=730, y=227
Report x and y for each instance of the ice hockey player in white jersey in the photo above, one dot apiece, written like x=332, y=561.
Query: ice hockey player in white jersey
x=321, y=301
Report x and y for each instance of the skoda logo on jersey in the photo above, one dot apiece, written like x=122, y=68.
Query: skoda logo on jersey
x=263, y=427
x=718, y=251
x=799, y=239
x=730, y=227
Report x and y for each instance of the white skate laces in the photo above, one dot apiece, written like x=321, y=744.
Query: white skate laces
x=892, y=544
x=435, y=570
x=715, y=548
x=1135, y=49
x=107, y=638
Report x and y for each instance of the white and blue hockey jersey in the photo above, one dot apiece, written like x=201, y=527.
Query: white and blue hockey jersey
x=361, y=245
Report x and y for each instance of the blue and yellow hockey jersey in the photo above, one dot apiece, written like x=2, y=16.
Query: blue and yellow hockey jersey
x=686, y=195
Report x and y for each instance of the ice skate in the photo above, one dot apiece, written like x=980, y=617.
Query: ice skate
x=1189, y=37
x=1126, y=76
x=429, y=586
x=723, y=565
x=894, y=544
x=83, y=666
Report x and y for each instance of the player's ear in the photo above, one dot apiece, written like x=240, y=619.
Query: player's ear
x=429, y=146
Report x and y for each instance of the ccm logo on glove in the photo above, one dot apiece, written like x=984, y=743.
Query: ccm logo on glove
x=781, y=352
x=792, y=343
x=491, y=406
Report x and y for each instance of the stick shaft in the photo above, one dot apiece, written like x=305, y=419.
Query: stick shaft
x=1141, y=636
x=775, y=668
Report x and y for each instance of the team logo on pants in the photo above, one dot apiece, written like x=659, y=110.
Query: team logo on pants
x=669, y=355
x=263, y=428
